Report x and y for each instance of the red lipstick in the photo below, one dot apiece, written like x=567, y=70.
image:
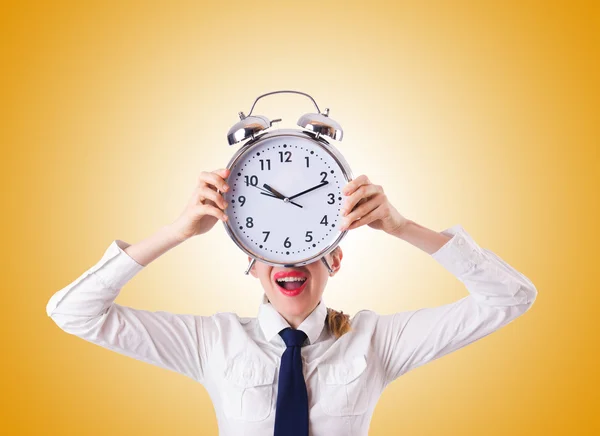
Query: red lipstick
x=284, y=274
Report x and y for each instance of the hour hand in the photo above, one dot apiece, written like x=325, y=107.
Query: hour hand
x=278, y=195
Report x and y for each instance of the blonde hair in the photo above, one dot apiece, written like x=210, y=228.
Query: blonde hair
x=338, y=322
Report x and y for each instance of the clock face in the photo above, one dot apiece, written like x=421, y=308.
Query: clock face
x=285, y=199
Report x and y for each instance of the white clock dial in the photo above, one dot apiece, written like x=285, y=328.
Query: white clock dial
x=285, y=231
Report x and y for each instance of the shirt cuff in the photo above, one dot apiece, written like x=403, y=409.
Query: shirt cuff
x=116, y=267
x=114, y=270
x=459, y=254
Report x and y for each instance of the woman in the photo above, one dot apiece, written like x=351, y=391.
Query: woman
x=298, y=367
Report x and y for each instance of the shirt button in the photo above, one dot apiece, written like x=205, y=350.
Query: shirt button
x=461, y=241
x=247, y=373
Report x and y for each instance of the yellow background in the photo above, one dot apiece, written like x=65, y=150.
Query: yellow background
x=478, y=113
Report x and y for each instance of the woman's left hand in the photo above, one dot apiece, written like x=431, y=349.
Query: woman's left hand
x=369, y=205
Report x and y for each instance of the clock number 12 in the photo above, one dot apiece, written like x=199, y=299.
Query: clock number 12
x=288, y=155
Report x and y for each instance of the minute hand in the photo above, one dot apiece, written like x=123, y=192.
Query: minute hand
x=308, y=190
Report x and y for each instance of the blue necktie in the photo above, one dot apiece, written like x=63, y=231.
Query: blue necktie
x=291, y=415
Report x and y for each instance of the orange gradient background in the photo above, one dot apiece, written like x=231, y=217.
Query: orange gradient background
x=483, y=114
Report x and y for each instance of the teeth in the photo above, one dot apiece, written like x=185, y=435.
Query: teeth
x=292, y=279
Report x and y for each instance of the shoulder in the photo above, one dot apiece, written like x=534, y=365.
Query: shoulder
x=364, y=318
x=228, y=320
x=364, y=314
x=369, y=319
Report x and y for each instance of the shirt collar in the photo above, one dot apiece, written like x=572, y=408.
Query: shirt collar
x=271, y=322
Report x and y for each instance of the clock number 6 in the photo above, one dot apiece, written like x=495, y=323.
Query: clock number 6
x=287, y=243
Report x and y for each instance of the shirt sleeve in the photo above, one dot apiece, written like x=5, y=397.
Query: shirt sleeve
x=86, y=308
x=498, y=294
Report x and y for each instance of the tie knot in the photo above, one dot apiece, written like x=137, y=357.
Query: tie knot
x=293, y=338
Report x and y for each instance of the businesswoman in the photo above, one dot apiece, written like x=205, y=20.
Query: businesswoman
x=298, y=367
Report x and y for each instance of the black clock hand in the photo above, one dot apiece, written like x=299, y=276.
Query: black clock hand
x=275, y=194
x=269, y=195
x=279, y=195
x=308, y=190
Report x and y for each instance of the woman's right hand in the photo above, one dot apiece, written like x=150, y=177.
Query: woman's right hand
x=204, y=207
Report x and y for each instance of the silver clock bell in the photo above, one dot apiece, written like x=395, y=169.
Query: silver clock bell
x=250, y=125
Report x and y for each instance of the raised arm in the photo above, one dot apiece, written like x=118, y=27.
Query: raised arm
x=86, y=307
x=498, y=294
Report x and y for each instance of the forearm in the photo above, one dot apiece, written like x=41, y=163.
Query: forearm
x=421, y=237
x=155, y=245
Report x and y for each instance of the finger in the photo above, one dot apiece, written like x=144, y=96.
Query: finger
x=362, y=210
x=352, y=185
x=205, y=209
x=223, y=173
x=212, y=179
x=206, y=193
x=374, y=215
x=363, y=191
x=345, y=212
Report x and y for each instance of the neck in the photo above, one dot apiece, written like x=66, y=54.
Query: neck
x=295, y=320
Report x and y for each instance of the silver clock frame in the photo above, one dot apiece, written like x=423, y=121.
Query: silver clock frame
x=326, y=146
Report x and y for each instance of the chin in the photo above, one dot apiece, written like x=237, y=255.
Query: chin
x=293, y=305
x=300, y=307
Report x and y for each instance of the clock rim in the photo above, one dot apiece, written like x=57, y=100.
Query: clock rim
x=321, y=142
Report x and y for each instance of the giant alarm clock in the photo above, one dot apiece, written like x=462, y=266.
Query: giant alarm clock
x=285, y=188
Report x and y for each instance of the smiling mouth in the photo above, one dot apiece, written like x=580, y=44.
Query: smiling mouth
x=291, y=283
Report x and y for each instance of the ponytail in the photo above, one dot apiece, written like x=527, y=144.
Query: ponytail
x=338, y=322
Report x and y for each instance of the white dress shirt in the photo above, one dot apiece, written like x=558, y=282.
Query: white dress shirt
x=237, y=359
